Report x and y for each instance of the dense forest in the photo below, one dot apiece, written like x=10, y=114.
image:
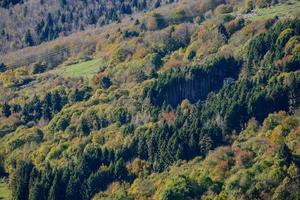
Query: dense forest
x=31, y=22
x=186, y=100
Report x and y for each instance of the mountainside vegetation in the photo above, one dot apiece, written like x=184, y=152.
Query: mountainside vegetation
x=187, y=100
x=31, y=22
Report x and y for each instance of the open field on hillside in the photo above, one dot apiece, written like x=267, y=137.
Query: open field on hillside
x=290, y=8
x=85, y=69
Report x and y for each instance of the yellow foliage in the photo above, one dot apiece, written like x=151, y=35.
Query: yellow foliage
x=139, y=167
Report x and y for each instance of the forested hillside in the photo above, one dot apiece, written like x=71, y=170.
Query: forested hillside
x=31, y=22
x=190, y=100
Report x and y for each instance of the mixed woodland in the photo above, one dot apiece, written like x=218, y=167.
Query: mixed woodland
x=135, y=99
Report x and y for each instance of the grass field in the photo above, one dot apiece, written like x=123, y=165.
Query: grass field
x=287, y=9
x=86, y=69
x=4, y=192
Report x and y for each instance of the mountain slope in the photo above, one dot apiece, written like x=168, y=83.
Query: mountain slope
x=196, y=102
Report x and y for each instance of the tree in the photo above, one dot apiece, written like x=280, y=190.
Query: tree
x=6, y=110
x=179, y=187
x=28, y=38
x=249, y=5
x=157, y=4
x=223, y=32
x=47, y=107
x=62, y=3
x=73, y=188
x=16, y=108
x=37, y=107
x=105, y=82
x=28, y=112
x=62, y=123
x=155, y=22
x=56, y=192
x=56, y=101
x=2, y=170
x=121, y=115
x=20, y=183
x=38, y=68
x=140, y=76
x=3, y=67
x=120, y=171
x=75, y=96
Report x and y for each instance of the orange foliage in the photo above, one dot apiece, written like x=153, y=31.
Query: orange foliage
x=173, y=63
x=242, y=157
x=169, y=116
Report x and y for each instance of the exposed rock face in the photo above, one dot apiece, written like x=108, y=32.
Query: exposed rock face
x=192, y=83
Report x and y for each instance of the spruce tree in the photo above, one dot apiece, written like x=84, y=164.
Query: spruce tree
x=6, y=110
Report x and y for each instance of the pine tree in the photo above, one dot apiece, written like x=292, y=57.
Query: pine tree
x=20, y=183
x=6, y=110
x=73, y=188
x=3, y=67
x=47, y=108
x=120, y=169
x=28, y=38
x=38, y=111
x=56, y=192
x=105, y=82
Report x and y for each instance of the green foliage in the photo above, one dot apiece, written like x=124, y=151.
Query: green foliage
x=156, y=132
x=21, y=180
x=121, y=115
x=4, y=191
x=178, y=16
x=177, y=188
x=38, y=68
x=85, y=68
x=200, y=80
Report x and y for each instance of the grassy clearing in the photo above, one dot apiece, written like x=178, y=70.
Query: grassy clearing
x=287, y=9
x=4, y=191
x=86, y=69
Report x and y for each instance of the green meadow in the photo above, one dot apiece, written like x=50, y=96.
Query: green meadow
x=86, y=69
x=287, y=9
